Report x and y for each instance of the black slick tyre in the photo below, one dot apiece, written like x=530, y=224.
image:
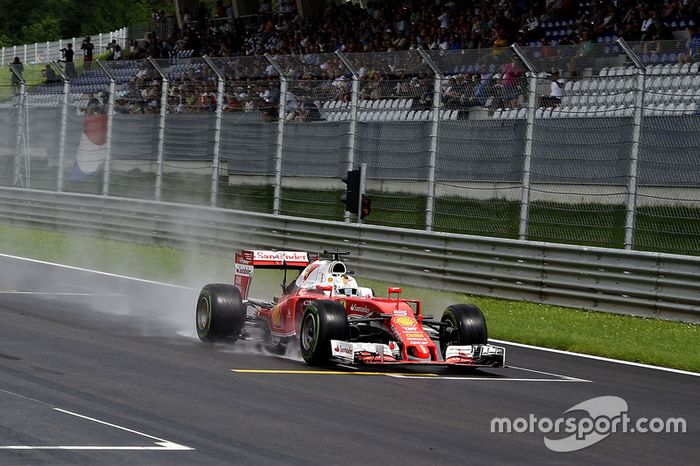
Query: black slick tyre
x=220, y=313
x=464, y=325
x=322, y=322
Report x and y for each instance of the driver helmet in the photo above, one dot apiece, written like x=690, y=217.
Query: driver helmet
x=345, y=284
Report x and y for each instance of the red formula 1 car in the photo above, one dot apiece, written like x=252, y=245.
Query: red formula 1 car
x=335, y=320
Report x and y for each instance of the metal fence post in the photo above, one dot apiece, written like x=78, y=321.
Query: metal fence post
x=220, y=85
x=63, y=124
x=631, y=204
x=282, y=116
x=437, y=102
x=21, y=162
x=161, y=127
x=110, y=122
x=527, y=149
x=354, y=105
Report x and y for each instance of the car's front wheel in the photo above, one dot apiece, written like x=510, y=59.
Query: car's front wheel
x=220, y=313
x=322, y=322
x=463, y=324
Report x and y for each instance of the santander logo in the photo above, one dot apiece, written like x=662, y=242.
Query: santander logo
x=280, y=255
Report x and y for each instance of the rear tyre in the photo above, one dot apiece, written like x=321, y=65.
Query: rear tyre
x=323, y=321
x=220, y=313
x=465, y=325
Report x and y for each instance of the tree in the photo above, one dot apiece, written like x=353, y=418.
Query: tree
x=45, y=29
x=29, y=21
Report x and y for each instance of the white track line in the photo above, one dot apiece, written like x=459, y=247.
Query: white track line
x=56, y=293
x=25, y=397
x=106, y=274
x=163, y=447
x=160, y=444
x=597, y=358
x=484, y=379
x=560, y=376
x=109, y=424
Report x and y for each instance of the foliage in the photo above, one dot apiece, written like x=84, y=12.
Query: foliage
x=29, y=21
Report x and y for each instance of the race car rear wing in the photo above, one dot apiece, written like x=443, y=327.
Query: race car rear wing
x=247, y=260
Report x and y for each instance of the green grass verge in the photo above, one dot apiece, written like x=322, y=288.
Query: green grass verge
x=32, y=75
x=670, y=344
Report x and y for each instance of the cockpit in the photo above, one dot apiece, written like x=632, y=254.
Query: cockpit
x=333, y=273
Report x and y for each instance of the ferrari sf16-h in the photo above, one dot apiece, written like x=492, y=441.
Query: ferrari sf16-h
x=336, y=321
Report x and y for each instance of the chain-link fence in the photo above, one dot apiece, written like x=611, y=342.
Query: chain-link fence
x=593, y=144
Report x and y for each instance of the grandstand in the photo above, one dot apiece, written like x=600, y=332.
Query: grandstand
x=669, y=90
x=600, y=86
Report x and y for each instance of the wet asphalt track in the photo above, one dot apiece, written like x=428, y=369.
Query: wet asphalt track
x=104, y=370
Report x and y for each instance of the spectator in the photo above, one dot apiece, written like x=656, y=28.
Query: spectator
x=49, y=75
x=308, y=112
x=647, y=21
x=115, y=49
x=583, y=54
x=17, y=75
x=481, y=95
x=510, y=82
x=220, y=9
x=87, y=48
x=631, y=24
x=692, y=45
x=556, y=91
x=608, y=25
x=94, y=107
x=67, y=54
x=658, y=31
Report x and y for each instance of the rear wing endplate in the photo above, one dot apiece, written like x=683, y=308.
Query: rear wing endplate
x=248, y=260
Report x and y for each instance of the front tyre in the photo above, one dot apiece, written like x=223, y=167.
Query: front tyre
x=322, y=322
x=220, y=313
x=464, y=325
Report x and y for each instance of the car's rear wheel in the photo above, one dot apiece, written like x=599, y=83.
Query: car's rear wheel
x=323, y=321
x=464, y=324
x=220, y=313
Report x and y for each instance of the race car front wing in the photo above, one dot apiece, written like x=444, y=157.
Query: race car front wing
x=390, y=354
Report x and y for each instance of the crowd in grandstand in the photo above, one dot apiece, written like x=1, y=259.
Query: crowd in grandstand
x=402, y=25
x=384, y=26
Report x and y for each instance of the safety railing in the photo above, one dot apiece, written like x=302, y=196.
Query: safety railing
x=630, y=282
